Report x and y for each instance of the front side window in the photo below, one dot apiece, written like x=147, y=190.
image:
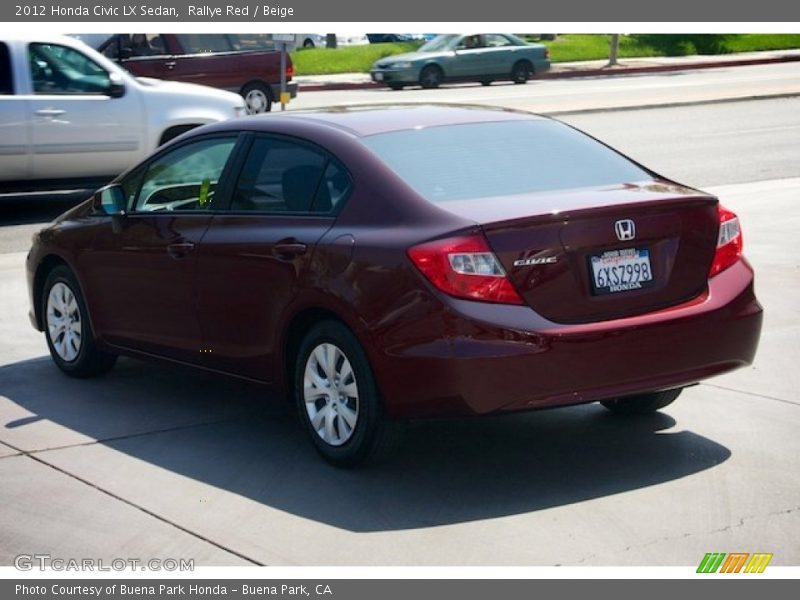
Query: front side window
x=186, y=178
x=281, y=176
x=62, y=70
x=134, y=45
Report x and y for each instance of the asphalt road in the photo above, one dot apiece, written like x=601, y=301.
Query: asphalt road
x=154, y=462
x=602, y=92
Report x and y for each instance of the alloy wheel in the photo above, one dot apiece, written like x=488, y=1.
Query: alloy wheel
x=64, y=323
x=330, y=393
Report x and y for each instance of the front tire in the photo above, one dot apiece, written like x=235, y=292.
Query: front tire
x=338, y=399
x=431, y=77
x=642, y=404
x=67, y=328
x=396, y=86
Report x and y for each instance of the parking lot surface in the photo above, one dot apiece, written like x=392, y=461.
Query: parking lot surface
x=151, y=461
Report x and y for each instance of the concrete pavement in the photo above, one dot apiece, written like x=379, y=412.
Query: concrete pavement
x=566, y=96
x=149, y=461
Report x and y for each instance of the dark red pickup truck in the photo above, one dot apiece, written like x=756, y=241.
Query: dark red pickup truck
x=244, y=63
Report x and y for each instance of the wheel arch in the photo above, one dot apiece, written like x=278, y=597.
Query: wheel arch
x=173, y=131
x=298, y=326
x=256, y=81
x=526, y=61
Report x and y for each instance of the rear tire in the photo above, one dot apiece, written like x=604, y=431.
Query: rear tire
x=642, y=404
x=67, y=327
x=338, y=400
x=257, y=98
x=521, y=72
x=396, y=86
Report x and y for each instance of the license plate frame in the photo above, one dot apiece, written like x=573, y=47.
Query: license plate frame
x=378, y=76
x=616, y=271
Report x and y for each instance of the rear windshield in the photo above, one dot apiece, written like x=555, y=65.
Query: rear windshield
x=478, y=160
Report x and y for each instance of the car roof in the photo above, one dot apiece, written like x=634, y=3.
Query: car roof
x=366, y=120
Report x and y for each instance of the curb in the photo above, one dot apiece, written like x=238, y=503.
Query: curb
x=607, y=109
x=601, y=72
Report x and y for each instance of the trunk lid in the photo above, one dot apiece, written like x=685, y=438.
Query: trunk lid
x=562, y=252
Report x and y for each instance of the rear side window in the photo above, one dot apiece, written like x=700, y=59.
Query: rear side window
x=480, y=160
x=281, y=176
x=200, y=43
x=6, y=80
x=251, y=41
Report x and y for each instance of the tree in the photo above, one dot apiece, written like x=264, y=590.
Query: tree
x=614, y=51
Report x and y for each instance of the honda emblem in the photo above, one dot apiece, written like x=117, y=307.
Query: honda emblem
x=625, y=229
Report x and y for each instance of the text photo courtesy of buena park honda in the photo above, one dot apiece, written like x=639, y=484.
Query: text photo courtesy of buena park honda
x=398, y=299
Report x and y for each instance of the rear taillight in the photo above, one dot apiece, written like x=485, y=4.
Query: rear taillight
x=729, y=241
x=465, y=267
x=289, y=71
x=547, y=53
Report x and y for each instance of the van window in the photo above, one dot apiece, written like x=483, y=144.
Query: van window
x=6, y=80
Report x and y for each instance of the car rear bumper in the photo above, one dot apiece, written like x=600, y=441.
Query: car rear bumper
x=275, y=89
x=504, y=358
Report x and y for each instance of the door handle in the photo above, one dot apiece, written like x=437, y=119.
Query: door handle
x=289, y=249
x=170, y=64
x=49, y=112
x=180, y=249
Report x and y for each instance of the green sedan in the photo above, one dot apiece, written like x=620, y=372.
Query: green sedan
x=481, y=57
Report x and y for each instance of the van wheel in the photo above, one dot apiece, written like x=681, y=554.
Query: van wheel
x=257, y=98
x=67, y=328
x=642, y=404
x=338, y=399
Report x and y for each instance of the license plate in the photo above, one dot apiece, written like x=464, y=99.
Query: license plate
x=621, y=270
x=378, y=76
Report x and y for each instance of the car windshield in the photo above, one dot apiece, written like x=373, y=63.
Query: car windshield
x=440, y=42
x=478, y=160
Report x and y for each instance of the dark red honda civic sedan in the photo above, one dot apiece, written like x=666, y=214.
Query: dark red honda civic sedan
x=382, y=264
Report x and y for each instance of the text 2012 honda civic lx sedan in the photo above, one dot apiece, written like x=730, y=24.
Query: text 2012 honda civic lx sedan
x=388, y=263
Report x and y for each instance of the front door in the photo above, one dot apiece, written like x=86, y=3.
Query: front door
x=77, y=128
x=143, y=266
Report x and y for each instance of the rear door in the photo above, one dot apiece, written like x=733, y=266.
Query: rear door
x=256, y=257
x=78, y=130
x=207, y=59
x=14, y=116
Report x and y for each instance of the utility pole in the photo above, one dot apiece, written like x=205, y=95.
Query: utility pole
x=614, y=52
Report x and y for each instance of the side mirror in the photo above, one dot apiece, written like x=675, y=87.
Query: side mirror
x=116, y=87
x=125, y=53
x=109, y=201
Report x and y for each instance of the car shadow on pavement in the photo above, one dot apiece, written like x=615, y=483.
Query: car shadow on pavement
x=229, y=435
